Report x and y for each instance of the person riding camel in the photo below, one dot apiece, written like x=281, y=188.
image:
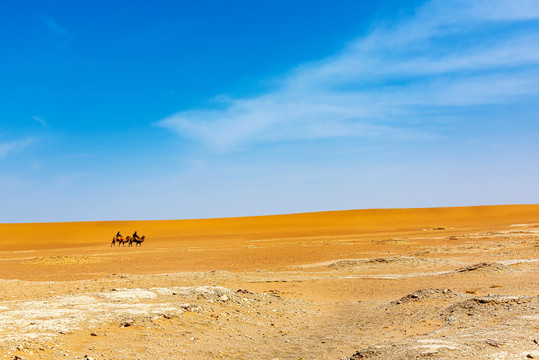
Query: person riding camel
x=135, y=236
x=119, y=236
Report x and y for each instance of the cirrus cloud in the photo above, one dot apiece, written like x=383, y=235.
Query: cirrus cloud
x=15, y=146
x=446, y=55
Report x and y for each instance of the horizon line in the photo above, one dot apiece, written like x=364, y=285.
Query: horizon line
x=269, y=215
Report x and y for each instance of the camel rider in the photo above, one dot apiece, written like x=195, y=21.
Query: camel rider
x=135, y=236
x=119, y=236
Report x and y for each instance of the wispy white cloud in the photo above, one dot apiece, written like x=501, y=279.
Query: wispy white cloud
x=53, y=26
x=15, y=146
x=447, y=54
x=39, y=120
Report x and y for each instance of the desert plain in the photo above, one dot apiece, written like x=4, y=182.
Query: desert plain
x=433, y=283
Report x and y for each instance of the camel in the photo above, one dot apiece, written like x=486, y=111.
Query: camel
x=137, y=241
x=120, y=240
x=116, y=239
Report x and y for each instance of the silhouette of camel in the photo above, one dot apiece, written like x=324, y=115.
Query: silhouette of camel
x=137, y=241
x=120, y=240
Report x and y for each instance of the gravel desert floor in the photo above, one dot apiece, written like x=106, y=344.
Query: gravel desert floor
x=440, y=283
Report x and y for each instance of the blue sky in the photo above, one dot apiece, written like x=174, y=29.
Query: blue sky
x=189, y=109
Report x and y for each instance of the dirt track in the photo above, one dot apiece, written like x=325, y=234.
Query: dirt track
x=313, y=286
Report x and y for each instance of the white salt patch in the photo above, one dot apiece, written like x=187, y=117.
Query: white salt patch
x=129, y=294
x=516, y=261
x=434, y=345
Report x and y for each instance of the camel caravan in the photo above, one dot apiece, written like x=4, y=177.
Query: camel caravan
x=118, y=238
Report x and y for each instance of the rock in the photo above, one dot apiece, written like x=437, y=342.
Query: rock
x=126, y=323
x=493, y=343
x=363, y=354
x=243, y=291
x=189, y=307
x=487, y=267
x=427, y=294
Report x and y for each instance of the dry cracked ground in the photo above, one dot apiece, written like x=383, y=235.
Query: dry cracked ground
x=433, y=294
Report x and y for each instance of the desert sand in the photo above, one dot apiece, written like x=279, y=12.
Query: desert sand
x=442, y=283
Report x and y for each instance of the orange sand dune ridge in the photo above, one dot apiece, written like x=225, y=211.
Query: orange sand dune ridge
x=25, y=236
x=81, y=250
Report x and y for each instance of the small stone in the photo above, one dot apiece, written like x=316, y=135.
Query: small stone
x=493, y=343
x=93, y=334
x=223, y=298
x=127, y=323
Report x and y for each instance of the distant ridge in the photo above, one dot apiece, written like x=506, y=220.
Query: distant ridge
x=41, y=235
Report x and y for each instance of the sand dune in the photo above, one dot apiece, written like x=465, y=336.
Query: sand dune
x=45, y=235
x=379, y=284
